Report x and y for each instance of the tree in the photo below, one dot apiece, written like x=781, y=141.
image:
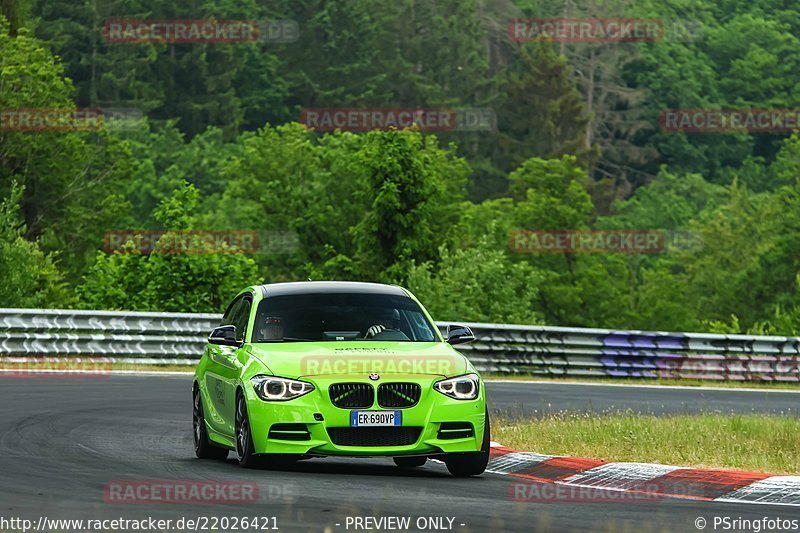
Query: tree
x=719, y=275
x=614, y=106
x=668, y=202
x=478, y=284
x=226, y=85
x=543, y=113
x=16, y=12
x=196, y=282
x=409, y=187
x=287, y=179
x=578, y=289
x=351, y=58
x=28, y=276
x=104, y=73
x=66, y=173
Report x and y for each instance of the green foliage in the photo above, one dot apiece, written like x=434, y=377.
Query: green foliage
x=196, y=282
x=578, y=146
x=669, y=202
x=28, y=276
x=409, y=189
x=16, y=12
x=66, y=175
x=554, y=123
x=199, y=84
x=551, y=194
x=478, y=284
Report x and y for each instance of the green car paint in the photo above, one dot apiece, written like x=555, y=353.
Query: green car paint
x=226, y=373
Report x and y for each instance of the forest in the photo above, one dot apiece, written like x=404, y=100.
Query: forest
x=576, y=137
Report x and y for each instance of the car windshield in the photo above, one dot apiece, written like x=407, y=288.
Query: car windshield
x=340, y=317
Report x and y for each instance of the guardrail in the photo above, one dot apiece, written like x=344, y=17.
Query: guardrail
x=550, y=350
x=178, y=338
x=137, y=338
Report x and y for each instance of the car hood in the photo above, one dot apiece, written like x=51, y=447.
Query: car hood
x=360, y=358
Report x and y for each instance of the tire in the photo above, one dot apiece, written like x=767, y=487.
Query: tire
x=245, y=448
x=203, y=449
x=470, y=464
x=409, y=462
x=244, y=436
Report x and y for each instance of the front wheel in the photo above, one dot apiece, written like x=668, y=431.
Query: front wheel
x=470, y=464
x=244, y=437
x=202, y=448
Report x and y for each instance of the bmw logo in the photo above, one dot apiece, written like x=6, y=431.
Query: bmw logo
x=374, y=377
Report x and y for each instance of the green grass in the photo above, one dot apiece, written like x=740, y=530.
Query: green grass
x=743, y=442
x=647, y=381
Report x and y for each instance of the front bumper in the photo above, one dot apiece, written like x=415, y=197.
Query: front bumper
x=432, y=410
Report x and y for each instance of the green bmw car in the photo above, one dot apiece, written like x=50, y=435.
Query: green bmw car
x=314, y=369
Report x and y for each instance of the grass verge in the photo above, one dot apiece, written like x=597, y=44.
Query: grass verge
x=743, y=442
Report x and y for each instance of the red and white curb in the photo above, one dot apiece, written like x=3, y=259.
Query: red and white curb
x=642, y=478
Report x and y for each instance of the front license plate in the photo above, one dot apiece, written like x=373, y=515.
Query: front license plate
x=376, y=418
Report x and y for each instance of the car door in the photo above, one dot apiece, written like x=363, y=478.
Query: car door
x=235, y=360
x=223, y=369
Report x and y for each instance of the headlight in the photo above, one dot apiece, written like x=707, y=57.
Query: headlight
x=461, y=388
x=272, y=389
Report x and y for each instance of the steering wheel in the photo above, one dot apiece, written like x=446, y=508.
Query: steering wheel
x=391, y=335
x=375, y=330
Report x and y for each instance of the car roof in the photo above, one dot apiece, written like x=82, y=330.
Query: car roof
x=329, y=287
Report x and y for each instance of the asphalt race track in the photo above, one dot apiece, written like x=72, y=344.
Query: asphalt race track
x=533, y=399
x=63, y=440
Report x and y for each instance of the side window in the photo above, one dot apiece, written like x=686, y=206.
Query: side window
x=240, y=317
x=228, y=317
x=422, y=331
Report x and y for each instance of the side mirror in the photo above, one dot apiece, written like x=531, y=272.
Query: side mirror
x=459, y=334
x=224, y=336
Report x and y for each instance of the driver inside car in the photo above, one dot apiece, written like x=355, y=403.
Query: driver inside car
x=271, y=328
x=388, y=319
